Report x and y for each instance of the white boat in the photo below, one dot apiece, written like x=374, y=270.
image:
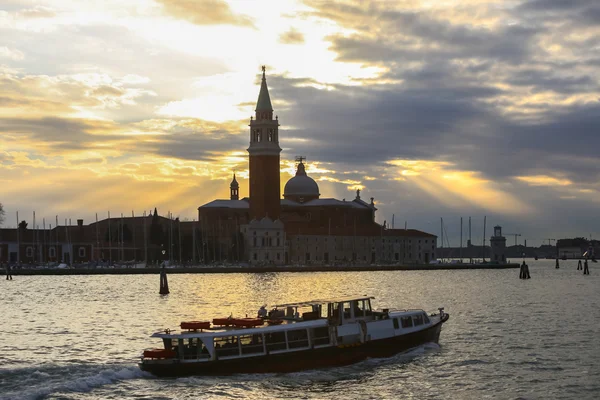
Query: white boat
x=330, y=332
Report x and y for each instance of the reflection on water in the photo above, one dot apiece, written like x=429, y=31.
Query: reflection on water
x=78, y=337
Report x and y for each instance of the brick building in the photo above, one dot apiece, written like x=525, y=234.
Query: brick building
x=302, y=227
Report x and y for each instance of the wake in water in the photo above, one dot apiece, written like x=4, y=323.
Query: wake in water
x=37, y=383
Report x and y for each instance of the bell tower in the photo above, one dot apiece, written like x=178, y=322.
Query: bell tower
x=234, y=189
x=265, y=192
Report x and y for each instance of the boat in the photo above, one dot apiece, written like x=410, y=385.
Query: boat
x=293, y=337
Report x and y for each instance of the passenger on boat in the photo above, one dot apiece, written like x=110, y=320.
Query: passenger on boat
x=276, y=313
x=262, y=312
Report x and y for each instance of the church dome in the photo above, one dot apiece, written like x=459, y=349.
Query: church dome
x=301, y=187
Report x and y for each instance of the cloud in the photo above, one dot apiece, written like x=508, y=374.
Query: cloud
x=206, y=12
x=292, y=36
x=11, y=54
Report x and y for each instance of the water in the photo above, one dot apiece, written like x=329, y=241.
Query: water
x=78, y=337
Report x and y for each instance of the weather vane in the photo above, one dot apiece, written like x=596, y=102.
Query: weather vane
x=264, y=68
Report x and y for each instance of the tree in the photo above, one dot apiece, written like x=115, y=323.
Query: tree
x=1, y=214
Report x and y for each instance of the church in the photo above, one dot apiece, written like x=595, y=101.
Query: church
x=302, y=227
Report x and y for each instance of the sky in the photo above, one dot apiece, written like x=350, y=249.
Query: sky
x=436, y=108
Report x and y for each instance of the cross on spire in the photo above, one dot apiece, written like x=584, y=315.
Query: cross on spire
x=300, y=159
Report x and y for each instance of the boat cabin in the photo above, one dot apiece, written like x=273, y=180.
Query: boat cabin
x=300, y=326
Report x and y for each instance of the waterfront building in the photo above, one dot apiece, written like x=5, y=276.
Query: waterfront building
x=498, y=245
x=302, y=227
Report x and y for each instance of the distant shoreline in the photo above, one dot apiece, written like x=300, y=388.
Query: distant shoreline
x=261, y=269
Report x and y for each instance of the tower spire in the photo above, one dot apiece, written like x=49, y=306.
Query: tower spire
x=234, y=188
x=263, y=105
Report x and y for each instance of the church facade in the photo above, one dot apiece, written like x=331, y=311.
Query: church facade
x=302, y=227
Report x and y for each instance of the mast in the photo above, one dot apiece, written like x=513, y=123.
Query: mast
x=470, y=254
x=484, y=218
x=34, y=238
x=43, y=249
x=122, y=240
x=18, y=241
x=179, y=239
x=145, y=242
x=442, y=233
x=133, y=226
x=56, y=258
x=71, y=243
x=461, y=239
x=97, y=237
x=109, y=241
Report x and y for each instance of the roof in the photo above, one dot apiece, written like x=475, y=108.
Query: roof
x=227, y=204
x=264, y=100
x=327, y=202
x=325, y=301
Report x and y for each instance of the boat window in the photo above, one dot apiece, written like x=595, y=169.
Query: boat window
x=252, y=344
x=226, y=346
x=359, y=308
x=406, y=322
x=170, y=344
x=425, y=318
x=297, y=338
x=347, y=310
x=396, y=325
x=320, y=336
x=418, y=319
x=275, y=341
x=194, y=348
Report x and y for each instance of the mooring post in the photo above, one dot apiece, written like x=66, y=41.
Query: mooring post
x=586, y=269
x=164, y=284
x=524, y=272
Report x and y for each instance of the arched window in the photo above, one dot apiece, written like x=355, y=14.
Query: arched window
x=82, y=252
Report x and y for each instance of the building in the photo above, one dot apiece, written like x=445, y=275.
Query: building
x=264, y=228
x=302, y=227
x=498, y=245
x=122, y=239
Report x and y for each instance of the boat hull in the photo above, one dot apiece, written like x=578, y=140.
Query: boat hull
x=302, y=359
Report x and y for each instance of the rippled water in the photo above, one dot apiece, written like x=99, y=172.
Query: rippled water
x=78, y=337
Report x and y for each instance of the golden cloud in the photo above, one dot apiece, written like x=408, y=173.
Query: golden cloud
x=205, y=12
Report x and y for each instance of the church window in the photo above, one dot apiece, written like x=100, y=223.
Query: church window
x=29, y=251
x=254, y=241
x=82, y=252
x=277, y=242
x=52, y=252
x=278, y=257
x=263, y=242
x=254, y=256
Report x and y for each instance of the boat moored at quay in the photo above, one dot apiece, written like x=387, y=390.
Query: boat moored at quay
x=292, y=337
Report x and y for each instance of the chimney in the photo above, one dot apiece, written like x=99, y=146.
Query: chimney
x=80, y=223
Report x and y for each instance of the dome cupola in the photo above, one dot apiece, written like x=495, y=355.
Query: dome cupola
x=301, y=188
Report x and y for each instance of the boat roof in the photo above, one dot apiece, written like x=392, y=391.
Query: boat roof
x=243, y=331
x=324, y=301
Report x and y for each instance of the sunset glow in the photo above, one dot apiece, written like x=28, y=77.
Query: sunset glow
x=430, y=107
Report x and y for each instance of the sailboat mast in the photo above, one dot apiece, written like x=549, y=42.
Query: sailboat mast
x=461, y=238
x=484, y=218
